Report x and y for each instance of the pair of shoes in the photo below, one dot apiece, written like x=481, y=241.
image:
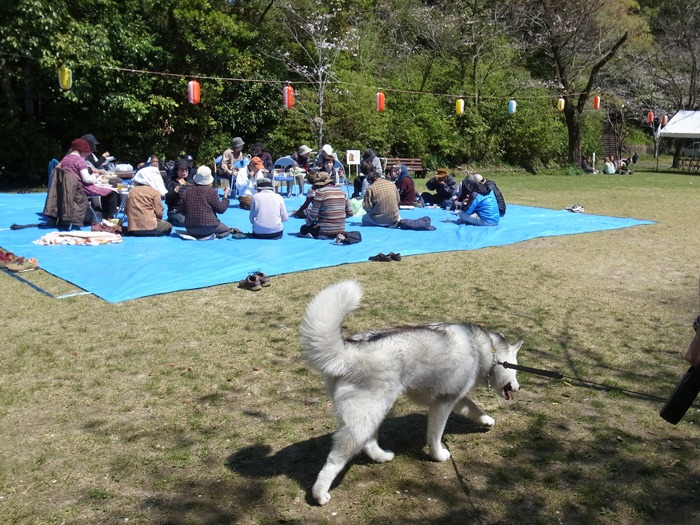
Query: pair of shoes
x=575, y=208
x=381, y=257
x=255, y=281
x=21, y=264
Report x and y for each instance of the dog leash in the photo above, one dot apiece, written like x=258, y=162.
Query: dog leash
x=559, y=375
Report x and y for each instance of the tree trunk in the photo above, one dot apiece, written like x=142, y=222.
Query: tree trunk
x=573, y=126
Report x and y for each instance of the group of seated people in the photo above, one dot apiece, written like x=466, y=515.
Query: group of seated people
x=193, y=201
x=610, y=164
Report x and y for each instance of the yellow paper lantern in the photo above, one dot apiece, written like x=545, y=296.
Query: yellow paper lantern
x=459, y=106
x=561, y=103
x=65, y=78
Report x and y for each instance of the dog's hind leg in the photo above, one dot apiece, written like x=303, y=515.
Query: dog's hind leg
x=375, y=452
x=470, y=410
x=437, y=417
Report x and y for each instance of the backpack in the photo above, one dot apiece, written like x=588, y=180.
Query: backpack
x=499, y=197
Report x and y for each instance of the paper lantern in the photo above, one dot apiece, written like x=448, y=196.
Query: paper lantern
x=650, y=117
x=65, y=78
x=193, y=92
x=380, y=101
x=288, y=96
x=560, y=104
x=664, y=120
x=596, y=102
x=459, y=106
x=512, y=106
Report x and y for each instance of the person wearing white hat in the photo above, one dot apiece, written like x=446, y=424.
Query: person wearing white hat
x=302, y=158
x=144, y=206
x=267, y=211
x=201, y=204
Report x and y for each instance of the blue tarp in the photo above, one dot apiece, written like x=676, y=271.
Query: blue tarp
x=140, y=267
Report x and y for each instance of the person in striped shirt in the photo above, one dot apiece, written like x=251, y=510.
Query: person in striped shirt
x=325, y=218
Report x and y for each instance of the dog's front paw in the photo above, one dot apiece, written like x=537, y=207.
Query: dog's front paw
x=386, y=455
x=322, y=499
x=440, y=455
x=486, y=421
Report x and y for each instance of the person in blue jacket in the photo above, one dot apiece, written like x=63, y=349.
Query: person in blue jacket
x=478, y=202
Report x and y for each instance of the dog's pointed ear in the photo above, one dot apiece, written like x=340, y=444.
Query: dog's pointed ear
x=516, y=347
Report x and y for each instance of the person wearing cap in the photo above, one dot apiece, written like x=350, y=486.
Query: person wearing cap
x=444, y=186
x=267, y=211
x=97, y=162
x=404, y=183
x=229, y=157
x=143, y=204
x=381, y=202
x=302, y=161
x=326, y=150
x=246, y=180
x=75, y=164
x=201, y=204
x=330, y=207
x=478, y=202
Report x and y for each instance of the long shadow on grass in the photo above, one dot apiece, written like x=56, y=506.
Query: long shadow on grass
x=302, y=461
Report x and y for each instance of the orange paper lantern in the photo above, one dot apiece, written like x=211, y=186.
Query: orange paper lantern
x=650, y=117
x=380, y=101
x=288, y=96
x=193, y=92
x=596, y=102
x=664, y=120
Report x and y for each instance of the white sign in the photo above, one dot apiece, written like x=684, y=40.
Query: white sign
x=353, y=156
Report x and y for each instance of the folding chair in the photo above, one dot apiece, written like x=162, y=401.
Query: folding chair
x=284, y=163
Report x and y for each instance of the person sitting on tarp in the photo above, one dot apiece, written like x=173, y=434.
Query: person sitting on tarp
x=326, y=217
x=381, y=202
x=143, y=204
x=478, y=202
x=201, y=204
x=444, y=186
x=75, y=164
x=176, y=186
x=246, y=180
x=267, y=211
x=404, y=183
x=368, y=163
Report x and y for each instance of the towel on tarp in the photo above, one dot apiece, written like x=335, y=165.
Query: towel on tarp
x=79, y=238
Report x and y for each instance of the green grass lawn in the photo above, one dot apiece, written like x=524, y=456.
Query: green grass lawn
x=195, y=407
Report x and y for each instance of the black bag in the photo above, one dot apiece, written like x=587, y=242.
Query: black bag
x=348, y=238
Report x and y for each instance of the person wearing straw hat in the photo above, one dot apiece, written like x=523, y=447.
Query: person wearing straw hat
x=267, y=211
x=326, y=217
x=444, y=186
x=201, y=204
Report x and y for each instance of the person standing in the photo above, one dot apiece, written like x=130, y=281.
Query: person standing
x=381, y=202
x=267, y=211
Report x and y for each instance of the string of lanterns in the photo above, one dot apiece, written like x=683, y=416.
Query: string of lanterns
x=65, y=82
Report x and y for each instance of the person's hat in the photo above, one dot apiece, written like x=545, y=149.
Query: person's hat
x=259, y=145
x=304, y=150
x=237, y=142
x=263, y=183
x=475, y=177
x=91, y=140
x=442, y=173
x=81, y=145
x=322, y=178
x=257, y=163
x=203, y=176
x=327, y=148
x=182, y=163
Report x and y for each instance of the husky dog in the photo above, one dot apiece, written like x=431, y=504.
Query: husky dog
x=434, y=365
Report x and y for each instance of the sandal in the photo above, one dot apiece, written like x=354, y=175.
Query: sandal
x=23, y=265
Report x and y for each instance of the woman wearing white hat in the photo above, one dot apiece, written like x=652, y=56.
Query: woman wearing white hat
x=201, y=204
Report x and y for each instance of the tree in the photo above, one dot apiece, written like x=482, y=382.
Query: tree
x=568, y=43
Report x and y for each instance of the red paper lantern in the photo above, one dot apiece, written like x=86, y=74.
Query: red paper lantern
x=288, y=96
x=596, y=102
x=650, y=117
x=193, y=92
x=380, y=101
x=664, y=120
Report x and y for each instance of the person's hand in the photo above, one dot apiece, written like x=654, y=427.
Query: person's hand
x=105, y=154
x=227, y=190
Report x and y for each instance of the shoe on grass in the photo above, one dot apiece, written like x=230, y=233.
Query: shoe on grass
x=395, y=256
x=251, y=283
x=263, y=278
x=380, y=257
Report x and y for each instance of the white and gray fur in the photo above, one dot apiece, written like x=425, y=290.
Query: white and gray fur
x=434, y=365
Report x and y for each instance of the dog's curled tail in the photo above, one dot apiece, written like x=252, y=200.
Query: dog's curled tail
x=321, y=338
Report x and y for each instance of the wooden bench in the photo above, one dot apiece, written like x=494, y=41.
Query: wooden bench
x=690, y=164
x=414, y=166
